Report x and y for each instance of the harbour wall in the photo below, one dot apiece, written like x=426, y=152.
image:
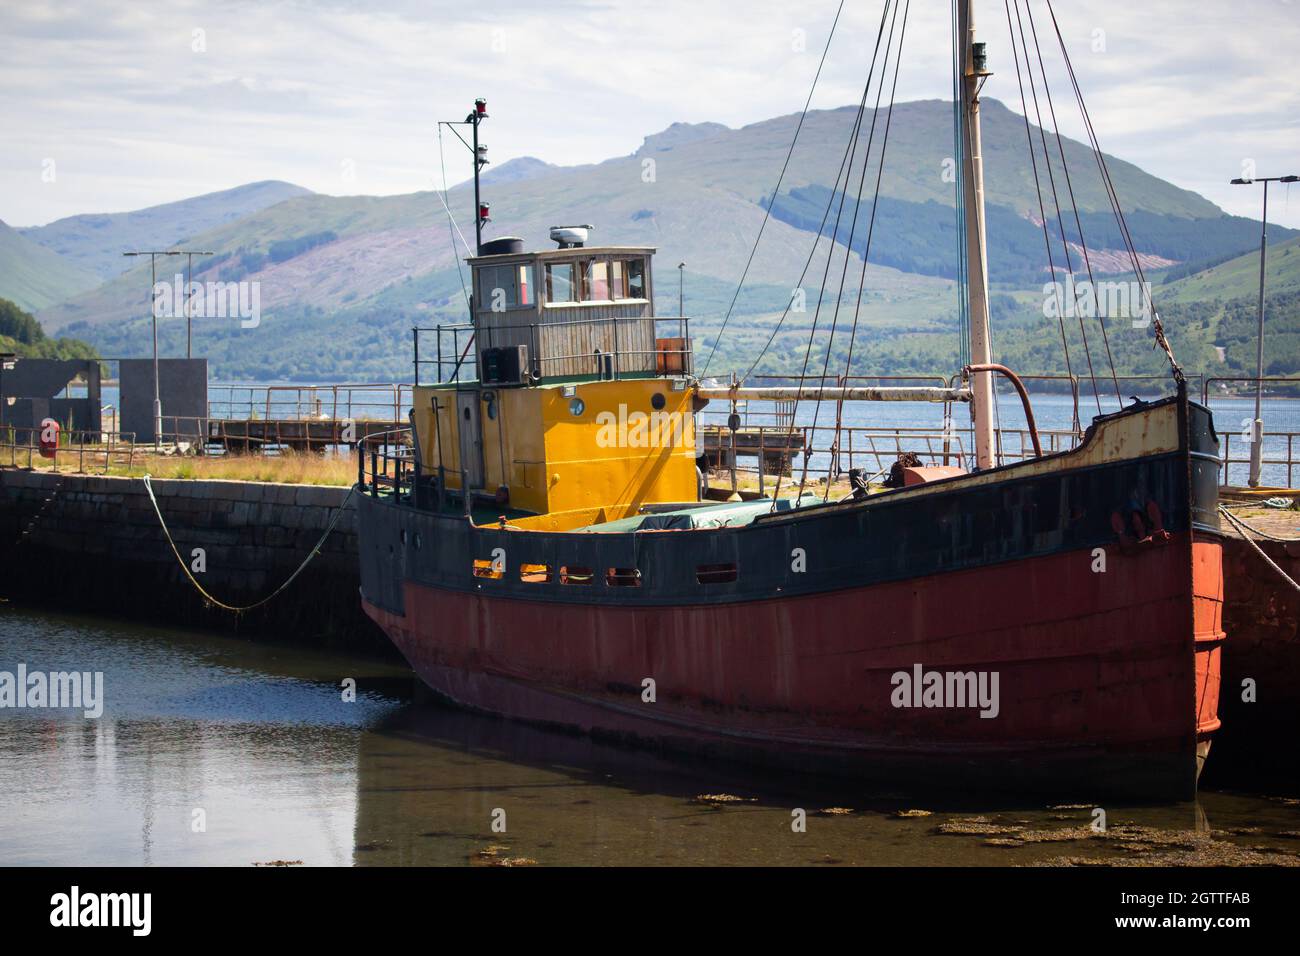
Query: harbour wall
x=94, y=544
x=1261, y=616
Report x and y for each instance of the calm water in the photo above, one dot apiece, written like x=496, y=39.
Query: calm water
x=259, y=739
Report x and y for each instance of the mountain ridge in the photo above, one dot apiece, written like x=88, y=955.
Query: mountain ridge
x=697, y=192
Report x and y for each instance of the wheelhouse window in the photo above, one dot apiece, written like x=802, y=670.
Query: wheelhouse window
x=559, y=282
x=505, y=287
x=526, y=285
x=633, y=286
x=595, y=281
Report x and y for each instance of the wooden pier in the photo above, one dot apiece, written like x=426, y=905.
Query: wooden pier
x=775, y=447
x=258, y=434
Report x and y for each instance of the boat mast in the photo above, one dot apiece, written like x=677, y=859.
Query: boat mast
x=977, y=270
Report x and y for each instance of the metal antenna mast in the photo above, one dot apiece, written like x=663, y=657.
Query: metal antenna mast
x=479, y=152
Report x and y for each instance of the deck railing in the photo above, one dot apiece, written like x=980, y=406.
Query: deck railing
x=386, y=463
x=452, y=353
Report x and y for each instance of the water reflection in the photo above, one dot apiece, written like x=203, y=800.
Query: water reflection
x=258, y=743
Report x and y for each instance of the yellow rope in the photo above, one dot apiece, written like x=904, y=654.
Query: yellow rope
x=199, y=587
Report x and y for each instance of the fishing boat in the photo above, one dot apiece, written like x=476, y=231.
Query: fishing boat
x=539, y=547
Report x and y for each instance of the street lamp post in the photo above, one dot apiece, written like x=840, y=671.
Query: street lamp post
x=1257, y=429
x=153, y=314
x=189, y=295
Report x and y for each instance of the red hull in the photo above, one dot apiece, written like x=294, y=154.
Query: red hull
x=1107, y=681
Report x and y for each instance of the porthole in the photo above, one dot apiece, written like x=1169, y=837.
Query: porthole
x=657, y=401
x=577, y=406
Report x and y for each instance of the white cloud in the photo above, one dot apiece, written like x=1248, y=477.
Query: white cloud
x=133, y=116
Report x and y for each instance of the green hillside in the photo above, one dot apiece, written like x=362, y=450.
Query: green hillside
x=35, y=277
x=21, y=335
x=1239, y=276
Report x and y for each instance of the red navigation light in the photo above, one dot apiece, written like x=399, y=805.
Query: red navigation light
x=483, y=209
x=480, y=107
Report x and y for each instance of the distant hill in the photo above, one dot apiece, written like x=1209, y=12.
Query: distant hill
x=33, y=276
x=343, y=279
x=96, y=241
x=517, y=170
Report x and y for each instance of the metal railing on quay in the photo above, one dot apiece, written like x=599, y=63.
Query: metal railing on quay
x=381, y=401
x=79, y=450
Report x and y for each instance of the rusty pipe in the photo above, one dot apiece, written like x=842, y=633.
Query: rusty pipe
x=1024, y=396
x=817, y=393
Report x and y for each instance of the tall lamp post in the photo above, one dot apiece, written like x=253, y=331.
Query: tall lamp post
x=189, y=255
x=1257, y=435
x=153, y=313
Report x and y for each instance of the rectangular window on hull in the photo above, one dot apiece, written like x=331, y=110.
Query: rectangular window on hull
x=485, y=568
x=623, y=577
x=535, y=573
x=716, y=573
x=573, y=574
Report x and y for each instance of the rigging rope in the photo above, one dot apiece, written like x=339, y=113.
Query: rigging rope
x=199, y=587
x=767, y=213
x=1074, y=205
x=833, y=465
x=1042, y=212
x=851, y=150
x=1056, y=199
x=1158, y=329
x=452, y=226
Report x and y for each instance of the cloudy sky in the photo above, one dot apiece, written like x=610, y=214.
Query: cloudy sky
x=112, y=105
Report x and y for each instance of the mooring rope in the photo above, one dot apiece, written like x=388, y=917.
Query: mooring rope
x=1242, y=527
x=199, y=587
x=1262, y=534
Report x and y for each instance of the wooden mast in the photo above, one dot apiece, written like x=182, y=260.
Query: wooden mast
x=973, y=75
